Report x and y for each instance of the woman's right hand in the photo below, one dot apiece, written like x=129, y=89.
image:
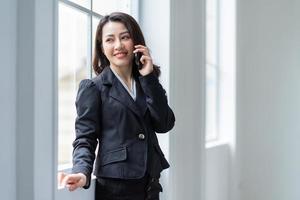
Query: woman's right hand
x=71, y=181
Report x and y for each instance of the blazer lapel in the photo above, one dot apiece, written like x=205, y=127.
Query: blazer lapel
x=140, y=98
x=118, y=92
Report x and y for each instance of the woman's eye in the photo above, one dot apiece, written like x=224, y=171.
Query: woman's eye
x=125, y=37
x=109, y=40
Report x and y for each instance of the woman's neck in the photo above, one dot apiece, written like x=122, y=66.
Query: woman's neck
x=124, y=72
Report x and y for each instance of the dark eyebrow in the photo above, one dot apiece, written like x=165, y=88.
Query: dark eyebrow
x=111, y=35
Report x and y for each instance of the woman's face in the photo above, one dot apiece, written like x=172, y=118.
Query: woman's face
x=117, y=44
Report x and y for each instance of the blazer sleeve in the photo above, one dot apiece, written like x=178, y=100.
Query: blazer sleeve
x=162, y=116
x=87, y=128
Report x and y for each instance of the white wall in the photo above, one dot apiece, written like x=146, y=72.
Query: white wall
x=27, y=126
x=217, y=172
x=8, y=15
x=174, y=32
x=25, y=100
x=187, y=93
x=268, y=99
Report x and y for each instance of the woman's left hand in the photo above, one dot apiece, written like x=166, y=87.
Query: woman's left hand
x=146, y=59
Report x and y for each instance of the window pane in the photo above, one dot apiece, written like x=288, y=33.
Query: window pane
x=212, y=70
x=104, y=7
x=211, y=42
x=211, y=103
x=83, y=3
x=211, y=32
x=72, y=58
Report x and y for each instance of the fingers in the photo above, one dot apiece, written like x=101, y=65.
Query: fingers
x=72, y=187
x=142, y=49
x=144, y=59
x=145, y=53
x=140, y=46
x=60, y=177
x=72, y=181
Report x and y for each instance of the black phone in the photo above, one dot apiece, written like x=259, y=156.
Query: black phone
x=137, y=57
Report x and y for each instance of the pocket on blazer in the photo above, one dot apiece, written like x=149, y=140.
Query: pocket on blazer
x=116, y=155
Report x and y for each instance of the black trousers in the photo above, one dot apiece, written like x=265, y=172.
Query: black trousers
x=119, y=189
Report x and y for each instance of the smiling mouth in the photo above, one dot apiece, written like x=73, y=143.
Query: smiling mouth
x=120, y=55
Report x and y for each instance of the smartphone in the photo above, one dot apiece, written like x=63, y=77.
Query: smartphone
x=137, y=57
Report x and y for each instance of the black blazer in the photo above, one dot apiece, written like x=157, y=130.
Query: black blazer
x=107, y=114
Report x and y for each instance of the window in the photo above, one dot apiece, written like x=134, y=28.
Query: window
x=212, y=69
x=220, y=69
x=77, y=24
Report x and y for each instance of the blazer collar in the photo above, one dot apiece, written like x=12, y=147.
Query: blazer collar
x=119, y=93
x=108, y=76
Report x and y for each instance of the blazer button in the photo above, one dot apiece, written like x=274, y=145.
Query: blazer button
x=141, y=136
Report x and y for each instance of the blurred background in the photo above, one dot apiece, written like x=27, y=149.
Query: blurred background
x=230, y=69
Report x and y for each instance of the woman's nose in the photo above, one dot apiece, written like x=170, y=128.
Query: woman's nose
x=118, y=44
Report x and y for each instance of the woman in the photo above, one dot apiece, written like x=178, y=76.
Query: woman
x=121, y=108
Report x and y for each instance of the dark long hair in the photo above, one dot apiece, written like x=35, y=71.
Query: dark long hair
x=100, y=61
